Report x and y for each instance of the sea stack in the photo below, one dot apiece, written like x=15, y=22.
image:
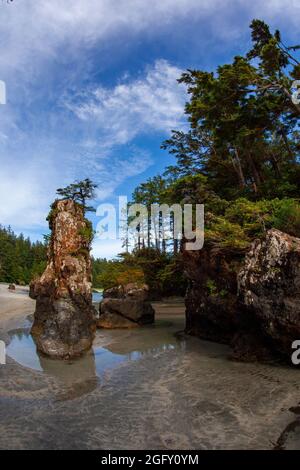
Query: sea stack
x=64, y=319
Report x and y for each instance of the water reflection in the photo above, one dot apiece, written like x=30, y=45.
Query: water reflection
x=111, y=348
x=97, y=297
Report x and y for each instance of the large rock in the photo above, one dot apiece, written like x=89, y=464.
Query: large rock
x=212, y=306
x=64, y=319
x=250, y=301
x=125, y=307
x=269, y=285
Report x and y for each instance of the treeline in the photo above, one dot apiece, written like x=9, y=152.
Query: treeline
x=242, y=149
x=162, y=272
x=20, y=259
x=240, y=156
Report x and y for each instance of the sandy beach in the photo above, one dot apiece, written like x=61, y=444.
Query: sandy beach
x=14, y=307
x=141, y=389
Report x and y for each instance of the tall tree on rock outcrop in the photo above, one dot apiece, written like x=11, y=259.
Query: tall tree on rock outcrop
x=80, y=192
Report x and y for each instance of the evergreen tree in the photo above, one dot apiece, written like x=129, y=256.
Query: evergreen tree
x=80, y=192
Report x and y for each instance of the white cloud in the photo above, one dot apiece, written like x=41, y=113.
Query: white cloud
x=35, y=30
x=42, y=38
x=28, y=182
x=109, y=170
x=154, y=102
x=24, y=193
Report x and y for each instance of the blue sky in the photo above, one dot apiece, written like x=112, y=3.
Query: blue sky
x=92, y=90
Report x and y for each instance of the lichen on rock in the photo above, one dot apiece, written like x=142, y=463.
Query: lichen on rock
x=64, y=319
x=250, y=301
x=269, y=285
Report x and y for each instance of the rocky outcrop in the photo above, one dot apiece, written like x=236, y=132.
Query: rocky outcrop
x=269, y=285
x=125, y=307
x=212, y=306
x=64, y=319
x=251, y=302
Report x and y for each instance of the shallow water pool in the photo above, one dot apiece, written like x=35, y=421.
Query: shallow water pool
x=146, y=388
x=110, y=348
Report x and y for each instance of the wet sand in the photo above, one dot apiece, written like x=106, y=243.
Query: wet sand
x=14, y=307
x=167, y=392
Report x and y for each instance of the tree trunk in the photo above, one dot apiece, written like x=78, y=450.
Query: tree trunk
x=275, y=165
x=287, y=145
x=255, y=173
x=238, y=168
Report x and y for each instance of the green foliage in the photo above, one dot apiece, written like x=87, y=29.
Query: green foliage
x=244, y=132
x=226, y=234
x=87, y=232
x=286, y=217
x=245, y=220
x=161, y=272
x=240, y=157
x=115, y=273
x=80, y=192
x=211, y=287
x=51, y=216
x=20, y=259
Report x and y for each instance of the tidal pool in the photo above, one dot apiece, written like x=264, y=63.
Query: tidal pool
x=145, y=388
x=110, y=348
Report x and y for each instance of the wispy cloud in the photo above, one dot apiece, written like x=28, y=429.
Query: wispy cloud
x=37, y=162
x=110, y=169
x=154, y=102
x=49, y=47
x=53, y=22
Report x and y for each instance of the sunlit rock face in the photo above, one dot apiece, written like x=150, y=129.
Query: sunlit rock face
x=250, y=301
x=64, y=319
x=125, y=307
x=269, y=285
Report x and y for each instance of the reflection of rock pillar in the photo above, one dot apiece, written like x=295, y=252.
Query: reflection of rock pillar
x=80, y=376
x=64, y=319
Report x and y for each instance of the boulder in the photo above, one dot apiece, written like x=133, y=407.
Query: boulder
x=131, y=290
x=269, y=286
x=125, y=307
x=212, y=306
x=64, y=318
x=11, y=287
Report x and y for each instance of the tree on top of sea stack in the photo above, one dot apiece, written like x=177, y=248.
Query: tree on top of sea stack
x=64, y=318
x=80, y=192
